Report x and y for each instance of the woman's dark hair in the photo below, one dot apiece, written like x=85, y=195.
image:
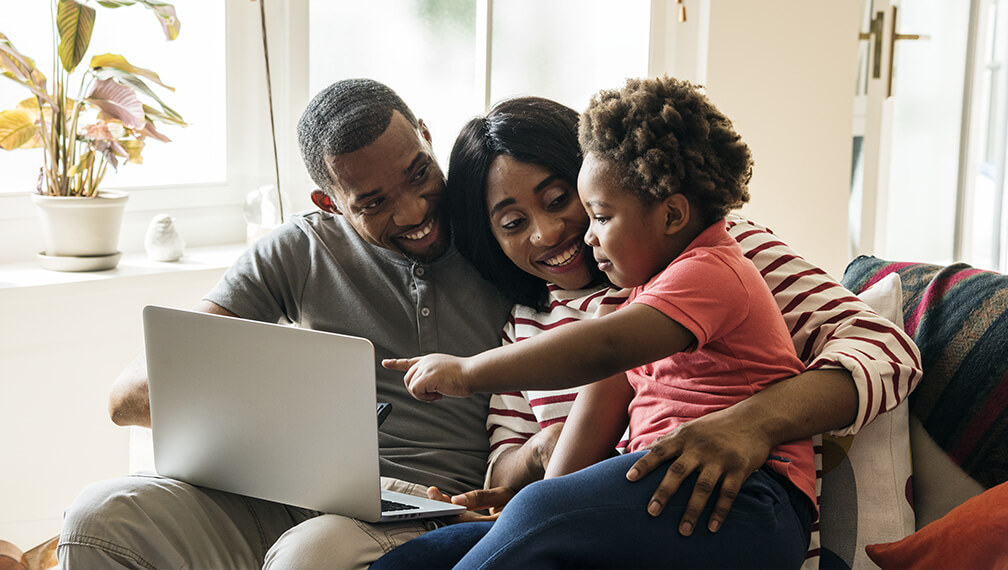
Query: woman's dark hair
x=529, y=129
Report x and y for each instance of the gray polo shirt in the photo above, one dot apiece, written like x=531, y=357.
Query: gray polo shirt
x=317, y=272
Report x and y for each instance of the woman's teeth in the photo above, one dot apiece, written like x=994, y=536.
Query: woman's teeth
x=420, y=233
x=565, y=257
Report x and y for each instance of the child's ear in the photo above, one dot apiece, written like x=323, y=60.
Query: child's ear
x=325, y=202
x=677, y=212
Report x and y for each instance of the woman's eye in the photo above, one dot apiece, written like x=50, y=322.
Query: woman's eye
x=511, y=222
x=557, y=200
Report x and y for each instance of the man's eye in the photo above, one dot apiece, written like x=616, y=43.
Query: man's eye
x=373, y=205
x=421, y=173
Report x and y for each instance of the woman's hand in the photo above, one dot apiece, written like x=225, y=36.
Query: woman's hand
x=718, y=449
x=431, y=377
x=476, y=500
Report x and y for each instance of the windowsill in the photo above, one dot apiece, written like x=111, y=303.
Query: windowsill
x=30, y=274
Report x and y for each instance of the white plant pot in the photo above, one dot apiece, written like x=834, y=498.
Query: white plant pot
x=81, y=234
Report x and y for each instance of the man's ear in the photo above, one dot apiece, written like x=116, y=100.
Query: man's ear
x=325, y=202
x=424, y=131
x=677, y=212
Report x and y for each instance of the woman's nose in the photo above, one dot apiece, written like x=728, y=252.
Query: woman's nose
x=548, y=231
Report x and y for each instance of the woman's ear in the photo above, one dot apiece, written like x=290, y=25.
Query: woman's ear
x=677, y=212
x=325, y=202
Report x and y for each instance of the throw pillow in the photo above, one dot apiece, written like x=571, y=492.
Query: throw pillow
x=866, y=477
x=972, y=535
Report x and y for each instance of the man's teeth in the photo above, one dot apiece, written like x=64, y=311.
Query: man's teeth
x=421, y=233
x=565, y=257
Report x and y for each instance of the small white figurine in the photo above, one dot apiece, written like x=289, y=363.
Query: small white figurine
x=163, y=242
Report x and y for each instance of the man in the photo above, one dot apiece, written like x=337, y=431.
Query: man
x=376, y=262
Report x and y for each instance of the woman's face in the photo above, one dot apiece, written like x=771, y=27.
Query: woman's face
x=539, y=222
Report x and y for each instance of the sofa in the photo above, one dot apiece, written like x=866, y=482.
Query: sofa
x=923, y=486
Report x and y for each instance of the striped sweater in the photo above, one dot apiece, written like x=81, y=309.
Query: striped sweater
x=830, y=327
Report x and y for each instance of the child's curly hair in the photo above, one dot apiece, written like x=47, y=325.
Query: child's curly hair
x=664, y=136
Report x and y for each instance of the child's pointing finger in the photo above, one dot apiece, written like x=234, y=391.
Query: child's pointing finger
x=400, y=364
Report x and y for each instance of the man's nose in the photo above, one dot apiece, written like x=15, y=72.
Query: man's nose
x=410, y=211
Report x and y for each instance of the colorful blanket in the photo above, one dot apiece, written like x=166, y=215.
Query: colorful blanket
x=958, y=316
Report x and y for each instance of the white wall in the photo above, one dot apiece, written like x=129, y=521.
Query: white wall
x=61, y=347
x=784, y=72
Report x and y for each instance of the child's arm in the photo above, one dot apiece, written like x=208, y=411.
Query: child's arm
x=572, y=355
x=596, y=422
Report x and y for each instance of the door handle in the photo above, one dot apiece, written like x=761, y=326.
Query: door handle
x=893, y=38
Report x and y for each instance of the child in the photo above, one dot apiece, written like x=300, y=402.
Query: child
x=700, y=331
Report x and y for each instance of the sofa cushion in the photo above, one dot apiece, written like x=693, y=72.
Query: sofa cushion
x=971, y=536
x=865, y=477
x=958, y=316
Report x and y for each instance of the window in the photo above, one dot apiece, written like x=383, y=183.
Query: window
x=566, y=52
x=134, y=33
x=202, y=176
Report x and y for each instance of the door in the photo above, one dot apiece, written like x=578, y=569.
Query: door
x=908, y=127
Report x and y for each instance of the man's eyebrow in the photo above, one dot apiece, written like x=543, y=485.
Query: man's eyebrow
x=538, y=188
x=361, y=197
x=420, y=156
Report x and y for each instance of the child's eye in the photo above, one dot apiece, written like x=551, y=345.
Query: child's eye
x=600, y=219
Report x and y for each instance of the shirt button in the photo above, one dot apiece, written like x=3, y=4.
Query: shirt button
x=425, y=312
x=419, y=271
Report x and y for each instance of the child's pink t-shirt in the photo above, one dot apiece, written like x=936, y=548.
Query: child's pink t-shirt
x=743, y=346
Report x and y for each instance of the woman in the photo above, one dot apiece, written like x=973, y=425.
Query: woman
x=516, y=216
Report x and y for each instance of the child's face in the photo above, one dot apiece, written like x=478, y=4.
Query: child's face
x=629, y=239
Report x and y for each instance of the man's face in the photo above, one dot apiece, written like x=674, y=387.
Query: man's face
x=390, y=191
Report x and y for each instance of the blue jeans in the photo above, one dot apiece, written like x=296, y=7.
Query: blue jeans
x=595, y=518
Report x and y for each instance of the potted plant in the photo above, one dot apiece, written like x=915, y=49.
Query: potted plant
x=104, y=123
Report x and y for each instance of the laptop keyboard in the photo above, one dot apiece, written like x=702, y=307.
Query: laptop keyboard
x=392, y=506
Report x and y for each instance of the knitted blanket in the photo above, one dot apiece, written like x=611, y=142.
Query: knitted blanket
x=958, y=316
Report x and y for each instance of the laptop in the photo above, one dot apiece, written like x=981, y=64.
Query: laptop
x=270, y=411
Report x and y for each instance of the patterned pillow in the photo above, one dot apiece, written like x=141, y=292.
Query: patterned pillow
x=866, y=477
x=958, y=316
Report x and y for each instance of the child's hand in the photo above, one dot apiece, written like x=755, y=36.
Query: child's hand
x=431, y=377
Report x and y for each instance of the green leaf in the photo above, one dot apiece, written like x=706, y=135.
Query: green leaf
x=153, y=113
x=165, y=13
x=118, y=101
x=116, y=3
x=133, y=148
x=17, y=127
x=119, y=62
x=75, y=22
x=16, y=66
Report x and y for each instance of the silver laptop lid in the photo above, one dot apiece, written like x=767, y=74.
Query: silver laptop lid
x=264, y=410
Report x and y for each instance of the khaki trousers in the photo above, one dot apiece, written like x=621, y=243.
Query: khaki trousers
x=147, y=521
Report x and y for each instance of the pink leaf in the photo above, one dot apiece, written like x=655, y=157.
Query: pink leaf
x=118, y=101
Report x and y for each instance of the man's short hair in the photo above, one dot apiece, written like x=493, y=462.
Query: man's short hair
x=345, y=117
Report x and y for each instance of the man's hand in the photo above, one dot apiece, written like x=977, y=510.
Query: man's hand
x=429, y=378
x=477, y=500
x=717, y=449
